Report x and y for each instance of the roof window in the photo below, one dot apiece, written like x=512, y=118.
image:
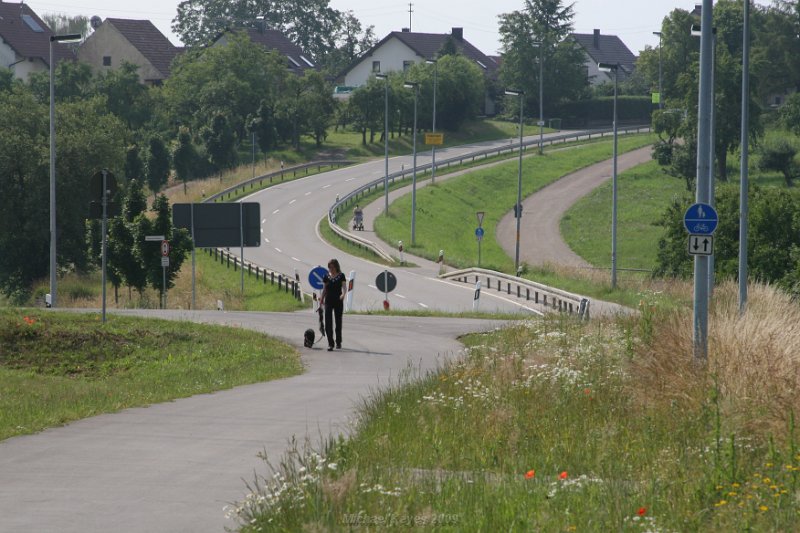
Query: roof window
x=307, y=62
x=293, y=62
x=32, y=24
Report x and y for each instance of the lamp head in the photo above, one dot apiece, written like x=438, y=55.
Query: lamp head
x=607, y=67
x=514, y=92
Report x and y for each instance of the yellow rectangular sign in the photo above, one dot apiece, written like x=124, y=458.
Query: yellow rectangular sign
x=434, y=138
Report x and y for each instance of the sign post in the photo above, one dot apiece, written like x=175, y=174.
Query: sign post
x=701, y=220
x=477, y=297
x=164, y=265
x=479, y=234
x=386, y=283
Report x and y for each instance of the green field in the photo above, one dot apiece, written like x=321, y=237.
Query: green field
x=642, y=195
x=59, y=367
x=446, y=211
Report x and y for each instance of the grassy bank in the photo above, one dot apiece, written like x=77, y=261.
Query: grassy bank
x=643, y=194
x=213, y=281
x=60, y=367
x=557, y=425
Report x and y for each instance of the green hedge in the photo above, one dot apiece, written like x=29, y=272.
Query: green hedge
x=599, y=111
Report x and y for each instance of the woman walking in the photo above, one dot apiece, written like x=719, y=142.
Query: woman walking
x=333, y=293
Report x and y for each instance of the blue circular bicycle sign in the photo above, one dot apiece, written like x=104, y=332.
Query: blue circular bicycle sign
x=700, y=219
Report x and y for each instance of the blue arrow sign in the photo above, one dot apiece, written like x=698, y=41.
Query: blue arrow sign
x=479, y=233
x=700, y=219
x=315, y=277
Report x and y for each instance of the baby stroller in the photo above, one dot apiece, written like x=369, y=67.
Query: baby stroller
x=358, y=220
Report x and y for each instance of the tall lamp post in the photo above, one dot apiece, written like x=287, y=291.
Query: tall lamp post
x=744, y=185
x=54, y=38
x=540, y=44
x=415, y=86
x=518, y=207
x=385, y=78
x=660, y=75
x=613, y=67
x=435, y=64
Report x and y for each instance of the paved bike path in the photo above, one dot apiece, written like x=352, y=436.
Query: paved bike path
x=171, y=467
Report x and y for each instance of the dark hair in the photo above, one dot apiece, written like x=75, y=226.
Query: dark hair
x=335, y=263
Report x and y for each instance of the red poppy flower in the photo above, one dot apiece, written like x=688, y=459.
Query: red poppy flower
x=563, y=475
x=642, y=511
x=529, y=474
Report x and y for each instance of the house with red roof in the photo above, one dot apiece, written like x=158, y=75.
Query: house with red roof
x=117, y=41
x=25, y=41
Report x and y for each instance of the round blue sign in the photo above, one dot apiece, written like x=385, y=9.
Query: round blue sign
x=315, y=277
x=700, y=219
x=479, y=232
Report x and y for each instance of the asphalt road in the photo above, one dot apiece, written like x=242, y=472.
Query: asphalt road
x=172, y=467
x=290, y=214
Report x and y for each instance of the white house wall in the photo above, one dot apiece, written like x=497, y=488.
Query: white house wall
x=22, y=69
x=108, y=41
x=391, y=55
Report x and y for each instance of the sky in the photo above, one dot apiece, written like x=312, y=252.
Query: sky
x=634, y=21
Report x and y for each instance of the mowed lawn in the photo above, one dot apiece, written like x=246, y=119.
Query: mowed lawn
x=445, y=216
x=644, y=193
x=56, y=367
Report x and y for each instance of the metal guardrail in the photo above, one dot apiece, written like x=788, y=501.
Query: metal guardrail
x=272, y=176
x=562, y=301
x=345, y=201
x=285, y=282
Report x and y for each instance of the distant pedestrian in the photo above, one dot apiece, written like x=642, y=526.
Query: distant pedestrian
x=333, y=293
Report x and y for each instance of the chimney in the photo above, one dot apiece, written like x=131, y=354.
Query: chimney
x=458, y=34
x=597, y=38
x=406, y=30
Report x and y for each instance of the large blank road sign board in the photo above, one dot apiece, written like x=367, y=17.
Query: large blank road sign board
x=218, y=224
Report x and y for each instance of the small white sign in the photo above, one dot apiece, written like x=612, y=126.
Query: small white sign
x=153, y=238
x=701, y=244
x=165, y=261
x=540, y=123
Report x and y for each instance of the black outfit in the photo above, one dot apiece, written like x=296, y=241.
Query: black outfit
x=334, y=307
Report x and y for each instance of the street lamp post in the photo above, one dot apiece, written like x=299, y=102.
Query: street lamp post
x=415, y=86
x=518, y=207
x=435, y=83
x=540, y=44
x=54, y=38
x=385, y=78
x=660, y=78
x=744, y=183
x=613, y=67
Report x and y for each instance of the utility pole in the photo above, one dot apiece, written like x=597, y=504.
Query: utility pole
x=744, y=184
x=409, y=15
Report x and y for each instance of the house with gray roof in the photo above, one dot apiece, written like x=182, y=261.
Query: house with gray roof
x=604, y=49
x=401, y=49
x=297, y=61
x=25, y=41
x=117, y=41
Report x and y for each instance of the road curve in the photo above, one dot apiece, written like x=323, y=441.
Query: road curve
x=540, y=234
x=172, y=467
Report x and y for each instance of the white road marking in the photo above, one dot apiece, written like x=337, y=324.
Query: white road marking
x=349, y=179
x=370, y=286
x=266, y=240
x=279, y=250
x=423, y=305
x=275, y=212
x=325, y=186
x=290, y=203
x=400, y=296
x=263, y=221
x=309, y=192
x=295, y=259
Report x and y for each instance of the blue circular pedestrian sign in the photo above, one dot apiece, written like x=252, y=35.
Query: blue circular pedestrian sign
x=700, y=219
x=315, y=277
x=479, y=232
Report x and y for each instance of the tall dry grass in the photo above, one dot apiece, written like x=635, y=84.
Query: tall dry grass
x=753, y=359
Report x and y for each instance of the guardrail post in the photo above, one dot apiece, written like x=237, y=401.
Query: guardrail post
x=518, y=289
x=509, y=288
x=527, y=294
x=544, y=299
x=272, y=278
x=280, y=279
